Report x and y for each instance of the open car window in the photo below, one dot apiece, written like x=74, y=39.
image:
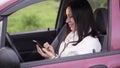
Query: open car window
x=39, y=16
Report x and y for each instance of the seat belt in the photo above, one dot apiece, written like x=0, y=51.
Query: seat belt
x=59, y=38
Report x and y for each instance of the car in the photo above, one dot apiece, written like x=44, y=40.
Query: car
x=17, y=47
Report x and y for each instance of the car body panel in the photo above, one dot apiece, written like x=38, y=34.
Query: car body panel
x=109, y=59
x=6, y=3
x=85, y=63
x=115, y=36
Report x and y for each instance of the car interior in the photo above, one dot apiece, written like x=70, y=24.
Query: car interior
x=13, y=46
x=101, y=18
x=101, y=22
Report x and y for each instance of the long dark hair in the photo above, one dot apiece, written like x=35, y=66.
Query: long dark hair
x=84, y=19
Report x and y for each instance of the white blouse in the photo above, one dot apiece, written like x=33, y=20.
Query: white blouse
x=87, y=45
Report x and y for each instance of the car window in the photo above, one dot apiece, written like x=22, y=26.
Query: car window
x=39, y=16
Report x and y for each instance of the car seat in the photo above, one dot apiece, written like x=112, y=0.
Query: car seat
x=8, y=58
x=101, y=19
x=12, y=45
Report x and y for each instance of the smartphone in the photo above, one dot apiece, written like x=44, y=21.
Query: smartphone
x=38, y=44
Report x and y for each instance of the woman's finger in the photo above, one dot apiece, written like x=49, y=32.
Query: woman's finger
x=50, y=54
x=51, y=49
x=39, y=50
x=46, y=45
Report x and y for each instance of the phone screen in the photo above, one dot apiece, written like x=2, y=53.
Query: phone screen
x=37, y=43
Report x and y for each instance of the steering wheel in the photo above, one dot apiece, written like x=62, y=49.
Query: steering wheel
x=13, y=46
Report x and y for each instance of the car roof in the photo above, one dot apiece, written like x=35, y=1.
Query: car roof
x=9, y=6
x=5, y=3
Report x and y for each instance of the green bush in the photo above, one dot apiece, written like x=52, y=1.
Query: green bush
x=30, y=20
x=34, y=17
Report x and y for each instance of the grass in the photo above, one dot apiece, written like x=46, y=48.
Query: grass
x=35, y=17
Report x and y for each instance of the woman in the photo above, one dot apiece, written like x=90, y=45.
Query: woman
x=82, y=36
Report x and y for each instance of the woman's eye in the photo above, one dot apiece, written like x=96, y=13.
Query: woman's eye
x=69, y=16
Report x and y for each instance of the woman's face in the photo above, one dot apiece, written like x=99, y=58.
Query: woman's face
x=70, y=20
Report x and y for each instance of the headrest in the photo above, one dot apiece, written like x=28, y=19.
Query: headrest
x=101, y=18
x=8, y=58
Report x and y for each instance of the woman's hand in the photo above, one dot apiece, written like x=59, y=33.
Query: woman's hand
x=47, y=51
